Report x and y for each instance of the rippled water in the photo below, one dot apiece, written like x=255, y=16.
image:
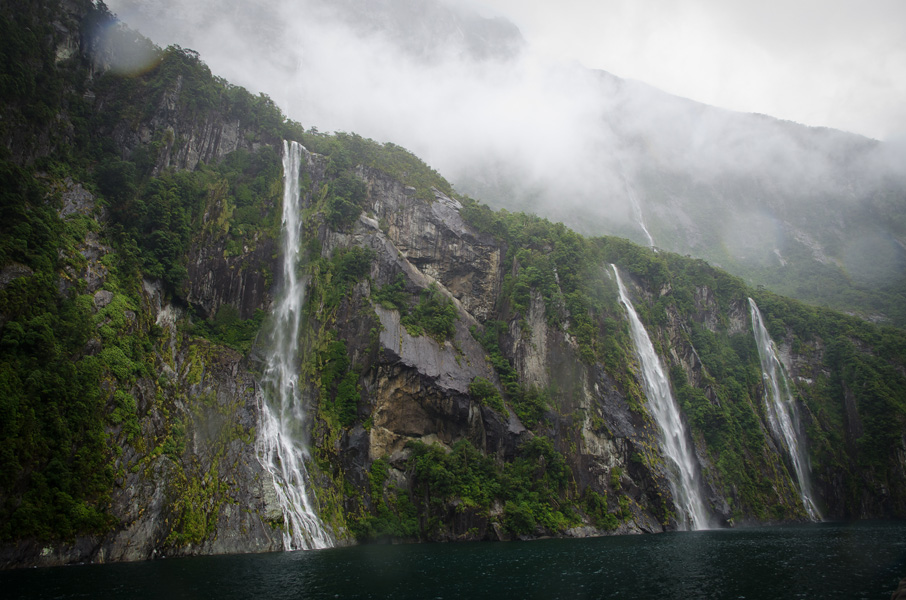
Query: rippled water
x=863, y=560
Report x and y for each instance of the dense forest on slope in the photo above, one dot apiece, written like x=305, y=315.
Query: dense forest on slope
x=721, y=395
x=138, y=238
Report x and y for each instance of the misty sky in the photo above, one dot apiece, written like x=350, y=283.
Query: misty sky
x=836, y=63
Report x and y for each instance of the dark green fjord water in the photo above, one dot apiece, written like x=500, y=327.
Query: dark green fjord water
x=861, y=560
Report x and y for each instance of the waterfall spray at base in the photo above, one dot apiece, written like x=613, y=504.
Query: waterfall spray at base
x=783, y=418
x=682, y=469
x=282, y=425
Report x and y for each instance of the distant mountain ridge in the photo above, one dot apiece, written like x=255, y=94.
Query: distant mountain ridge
x=813, y=213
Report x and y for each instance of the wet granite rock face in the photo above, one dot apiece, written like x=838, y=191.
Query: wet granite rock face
x=201, y=139
x=416, y=388
x=84, y=268
x=434, y=239
x=599, y=432
x=419, y=390
x=207, y=467
x=244, y=281
x=188, y=481
x=186, y=137
x=442, y=362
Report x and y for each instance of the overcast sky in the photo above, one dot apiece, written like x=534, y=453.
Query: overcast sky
x=836, y=63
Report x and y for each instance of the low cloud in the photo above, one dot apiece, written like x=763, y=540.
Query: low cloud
x=500, y=119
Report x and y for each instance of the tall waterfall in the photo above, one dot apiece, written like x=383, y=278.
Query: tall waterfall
x=282, y=427
x=783, y=418
x=682, y=469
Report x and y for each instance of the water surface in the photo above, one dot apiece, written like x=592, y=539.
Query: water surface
x=862, y=560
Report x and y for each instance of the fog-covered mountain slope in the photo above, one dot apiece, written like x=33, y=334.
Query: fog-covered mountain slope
x=812, y=213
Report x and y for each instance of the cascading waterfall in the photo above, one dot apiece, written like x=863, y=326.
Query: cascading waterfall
x=682, y=469
x=783, y=417
x=281, y=434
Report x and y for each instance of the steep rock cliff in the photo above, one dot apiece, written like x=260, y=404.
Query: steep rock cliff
x=181, y=435
x=469, y=373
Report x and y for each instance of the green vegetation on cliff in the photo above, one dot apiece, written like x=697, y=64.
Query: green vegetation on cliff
x=349, y=150
x=533, y=490
x=721, y=398
x=54, y=472
x=76, y=344
x=92, y=390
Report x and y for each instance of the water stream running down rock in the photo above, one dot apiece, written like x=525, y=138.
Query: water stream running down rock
x=636, y=206
x=783, y=417
x=282, y=429
x=683, y=471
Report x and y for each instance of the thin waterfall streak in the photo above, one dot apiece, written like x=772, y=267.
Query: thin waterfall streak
x=281, y=435
x=683, y=472
x=783, y=416
x=634, y=201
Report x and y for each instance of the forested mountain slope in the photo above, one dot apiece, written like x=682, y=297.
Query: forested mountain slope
x=469, y=374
